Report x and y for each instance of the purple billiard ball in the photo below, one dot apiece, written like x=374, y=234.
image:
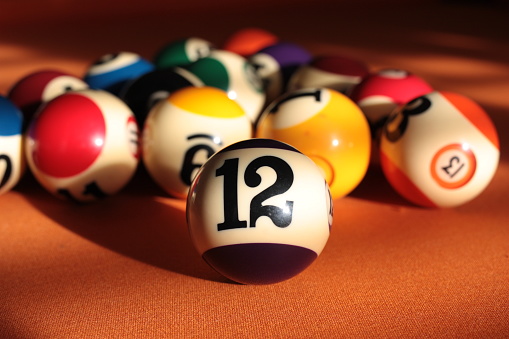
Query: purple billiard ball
x=276, y=64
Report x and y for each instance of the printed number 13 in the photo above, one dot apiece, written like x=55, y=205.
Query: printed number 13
x=281, y=217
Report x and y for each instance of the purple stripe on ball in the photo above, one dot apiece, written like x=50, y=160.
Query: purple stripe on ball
x=286, y=53
x=259, y=263
x=259, y=143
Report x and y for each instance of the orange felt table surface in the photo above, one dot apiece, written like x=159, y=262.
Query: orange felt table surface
x=125, y=266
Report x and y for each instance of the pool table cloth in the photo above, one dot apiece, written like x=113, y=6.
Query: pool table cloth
x=125, y=267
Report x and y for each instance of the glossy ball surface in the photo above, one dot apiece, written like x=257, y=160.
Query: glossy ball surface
x=382, y=92
x=30, y=92
x=12, y=159
x=439, y=150
x=248, y=41
x=259, y=212
x=112, y=71
x=277, y=63
x=83, y=146
x=184, y=130
x=144, y=92
x=326, y=126
x=182, y=52
x=235, y=75
x=332, y=71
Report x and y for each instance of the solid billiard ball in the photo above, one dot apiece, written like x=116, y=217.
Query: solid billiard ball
x=36, y=88
x=328, y=127
x=439, y=150
x=12, y=159
x=144, y=92
x=259, y=211
x=248, y=41
x=112, y=71
x=182, y=131
x=338, y=72
x=83, y=146
x=382, y=92
x=182, y=52
x=276, y=64
x=233, y=74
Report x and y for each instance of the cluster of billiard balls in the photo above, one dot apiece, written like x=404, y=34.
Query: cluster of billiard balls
x=259, y=136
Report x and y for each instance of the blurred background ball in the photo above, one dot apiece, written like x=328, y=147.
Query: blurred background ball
x=83, y=146
x=235, y=75
x=182, y=52
x=112, y=71
x=382, y=92
x=36, y=88
x=326, y=126
x=145, y=91
x=249, y=40
x=338, y=72
x=276, y=64
x=12, y=155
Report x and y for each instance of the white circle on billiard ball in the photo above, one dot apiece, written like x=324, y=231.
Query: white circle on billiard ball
x=393, y=73
x=197, y=48
x=453, y=165
x=61, y=85
x=268, y=70
x=112, y=61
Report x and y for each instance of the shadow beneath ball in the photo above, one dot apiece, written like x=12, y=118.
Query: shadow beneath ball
x=375, y=187
x=140, y=222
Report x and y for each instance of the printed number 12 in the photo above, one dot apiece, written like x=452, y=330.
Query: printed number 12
x=281, y=217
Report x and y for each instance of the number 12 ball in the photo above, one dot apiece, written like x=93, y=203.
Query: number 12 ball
x=259, y=211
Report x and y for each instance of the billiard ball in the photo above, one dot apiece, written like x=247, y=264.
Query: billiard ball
x=338, y=72
x=382, y=92
x=112, y=71
x=439, y=150
x=259, y=212
x=182, y=52
x=185, y=129
x=83, y=146
x=235, y=75
x=276, y=64
x=36, y=88
x=12, y=159
x=328, y=127
x=249, y=40
x=144, y=92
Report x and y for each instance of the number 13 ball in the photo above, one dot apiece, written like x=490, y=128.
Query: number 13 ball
x=259, y=211
x=439, y=150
